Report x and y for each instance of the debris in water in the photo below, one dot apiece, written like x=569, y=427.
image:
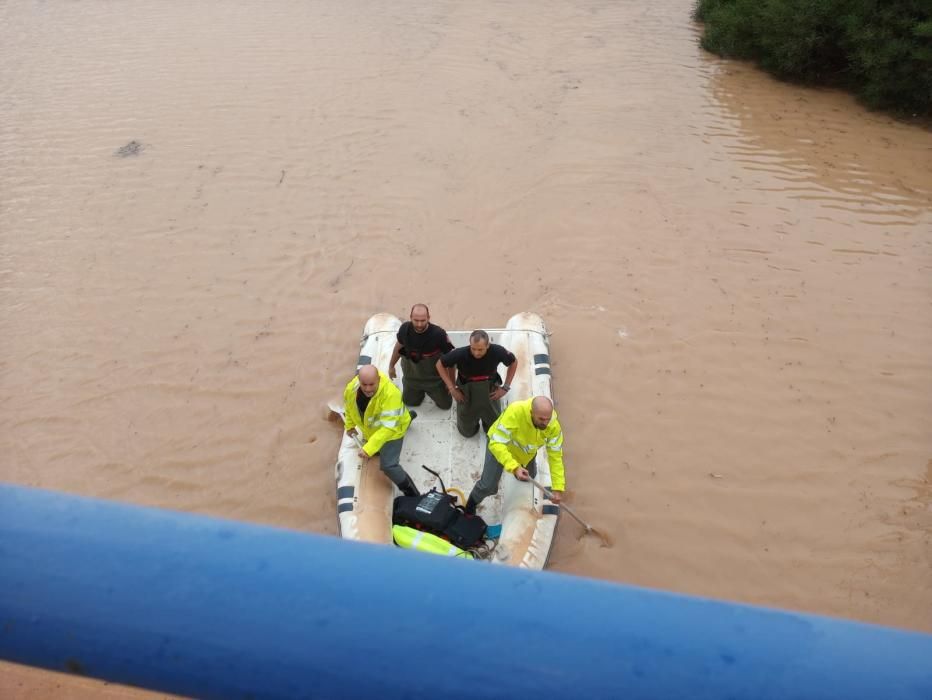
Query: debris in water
x=133, y=148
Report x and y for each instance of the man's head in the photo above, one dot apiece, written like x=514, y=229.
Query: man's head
x=541, y=412
x=369, y=380
x=420, y=317
x=478, y=344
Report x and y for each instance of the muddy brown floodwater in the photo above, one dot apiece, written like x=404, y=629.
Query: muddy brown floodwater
x=203, y=202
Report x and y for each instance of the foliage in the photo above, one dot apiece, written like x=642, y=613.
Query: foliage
x=881, y=49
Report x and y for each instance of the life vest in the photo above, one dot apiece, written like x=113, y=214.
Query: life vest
x=423, y=541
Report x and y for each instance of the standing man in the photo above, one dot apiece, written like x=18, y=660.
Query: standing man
x=419, y=343
x=478, y=388
x=514, y=439
x=372, y=405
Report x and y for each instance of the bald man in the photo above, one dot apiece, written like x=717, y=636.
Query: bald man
x=472, y=378
x=373, y=406
x=418, y=344
x=522, y=429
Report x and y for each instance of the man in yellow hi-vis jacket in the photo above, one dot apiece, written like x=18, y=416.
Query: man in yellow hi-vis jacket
x=522, y=429
x=374, y=407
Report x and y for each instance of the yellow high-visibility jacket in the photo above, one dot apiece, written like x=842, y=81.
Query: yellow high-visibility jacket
x=386, y=416
x=513, y=440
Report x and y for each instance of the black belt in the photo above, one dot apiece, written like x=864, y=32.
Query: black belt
x=477, y=378
x=416, y=356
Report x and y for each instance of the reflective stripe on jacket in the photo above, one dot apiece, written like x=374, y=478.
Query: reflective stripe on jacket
x=386, y=417
x=513, y=441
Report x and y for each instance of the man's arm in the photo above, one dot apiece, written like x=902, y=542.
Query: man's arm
x=447, y=374
x=348, y=423
x=498, y=445
x=499, y=392
x=396, y=353
x=390, y=416
x=378, y=439
x=501, y=453
x=510, y=374
x=554, y=445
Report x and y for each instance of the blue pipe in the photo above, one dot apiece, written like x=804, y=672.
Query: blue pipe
x=218, y=609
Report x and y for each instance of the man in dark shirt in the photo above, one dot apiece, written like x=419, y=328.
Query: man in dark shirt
x=478, y=388
x=419, y=344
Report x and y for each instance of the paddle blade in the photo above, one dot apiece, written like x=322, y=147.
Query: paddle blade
x=604, y=539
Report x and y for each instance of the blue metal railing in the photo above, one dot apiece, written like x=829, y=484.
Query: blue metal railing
x=218, y=609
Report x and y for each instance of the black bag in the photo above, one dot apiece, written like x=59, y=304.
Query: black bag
x=432, y=511
x=437, y=513
x=465, y=531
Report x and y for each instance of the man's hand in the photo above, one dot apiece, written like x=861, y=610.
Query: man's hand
x=497, y=393
x=556, y=496
x=458, y=395
x=362, y=454
x=392, y=373
x=522, y=474
x=352, y=432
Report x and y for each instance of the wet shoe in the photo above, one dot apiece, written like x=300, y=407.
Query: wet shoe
x=408, y=488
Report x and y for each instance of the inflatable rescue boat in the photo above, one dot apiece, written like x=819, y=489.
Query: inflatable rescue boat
x=521, y=519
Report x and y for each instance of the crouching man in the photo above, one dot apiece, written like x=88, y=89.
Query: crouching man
x=373, y=406
x=522, y=429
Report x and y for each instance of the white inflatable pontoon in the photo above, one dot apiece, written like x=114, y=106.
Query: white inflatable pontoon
x=521, y=520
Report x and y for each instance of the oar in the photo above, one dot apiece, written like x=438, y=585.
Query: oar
x=606, y=542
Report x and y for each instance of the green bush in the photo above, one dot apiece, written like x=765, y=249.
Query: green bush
x=881, y=49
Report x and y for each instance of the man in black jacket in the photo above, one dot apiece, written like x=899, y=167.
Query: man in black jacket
x=419, y=343
x=478, y=387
